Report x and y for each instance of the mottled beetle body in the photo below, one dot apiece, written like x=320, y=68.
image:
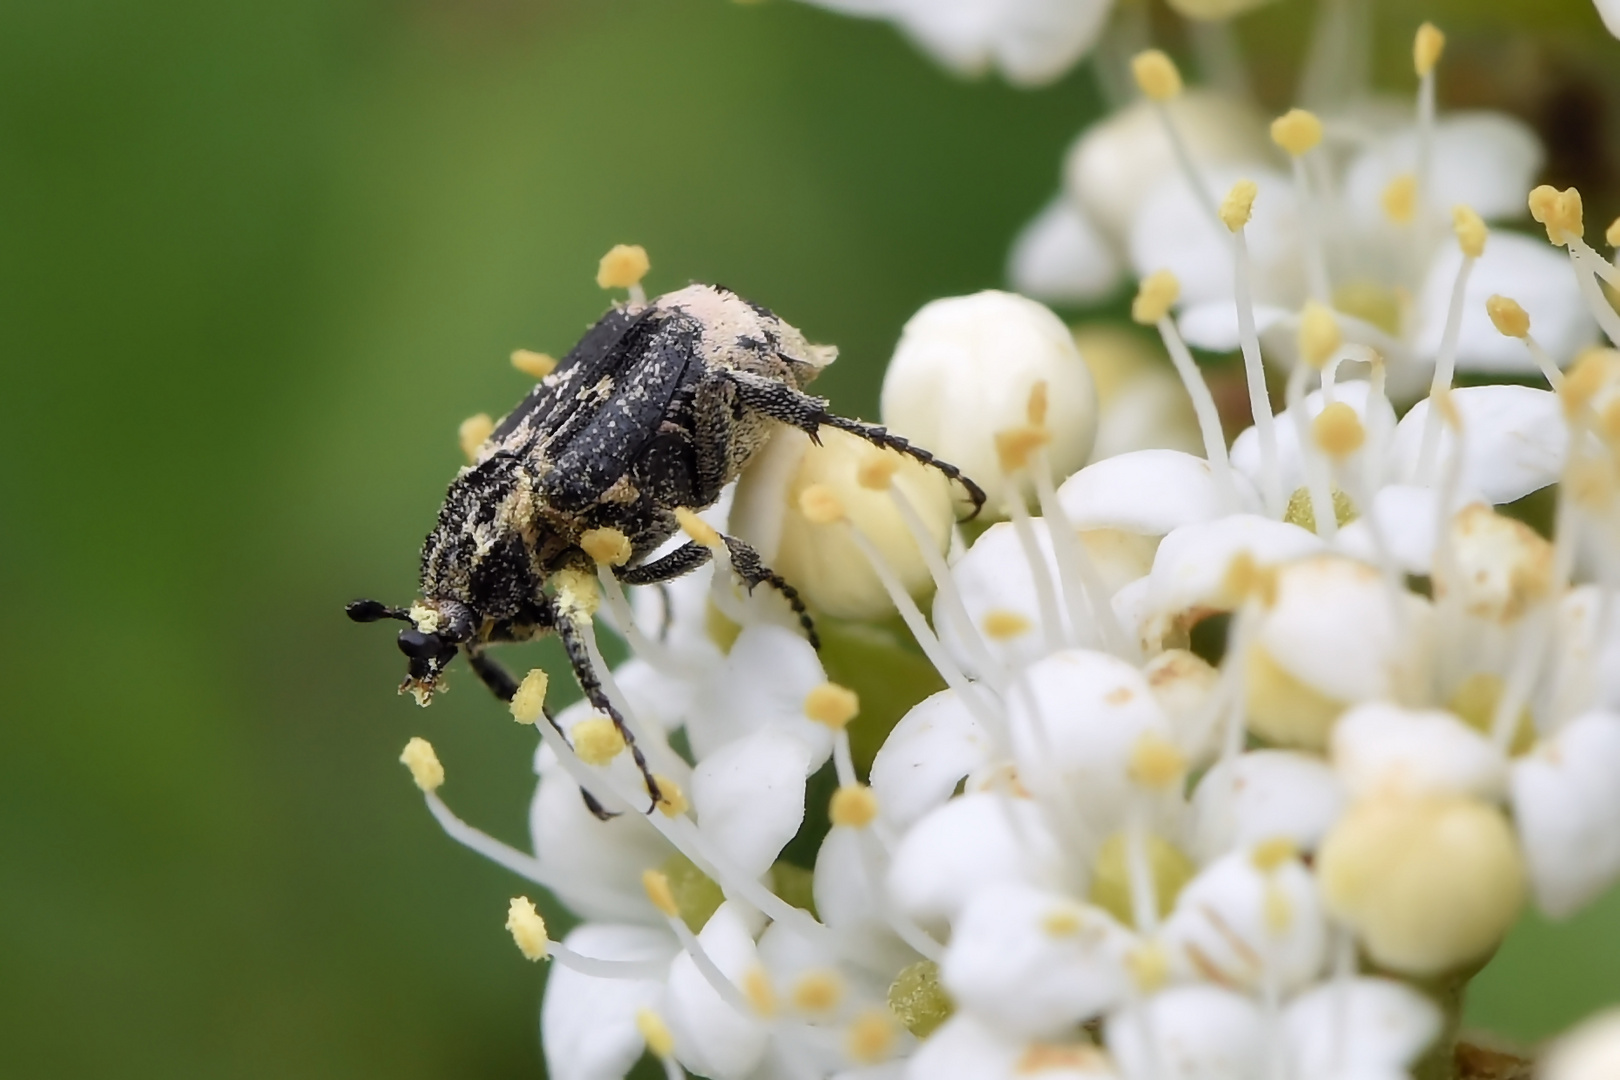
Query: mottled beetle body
x=657, y=408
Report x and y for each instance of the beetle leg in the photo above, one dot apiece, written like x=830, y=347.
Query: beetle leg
x=678, y=563
x=579, y=658
x=753, y=571
x=808, y=413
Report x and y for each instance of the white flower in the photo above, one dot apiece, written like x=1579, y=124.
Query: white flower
x=1592, y=1050
x=588, y=1025
x=1378, y=747
x=1567, y=807
x=1609, y=10
x=933, y=747
x=1514, y=440
x=711, y=1037
x=967, y=1049
x=1362, y=1027
x=1062, y=258
x=1189, y=1033
x=1265, y=795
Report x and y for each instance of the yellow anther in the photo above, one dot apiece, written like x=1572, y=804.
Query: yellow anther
x=1611, y=235
x=625, y=265
x=1002, y=625
x=1399, y=199
x=759, y=991
x=536, y=365
x=1268, y=855
x=1297, y=131
x=655, y=1033
x=1063, y=922
x=876, y=473
x=1337, y=431
x=1507, y=316
x=1470, y=230
x=607, y=545
x=1319, y=336
x=821, y=505
x=1016, y=445
x=528, y=928
x=1277, y=909
x=1155, y=762
x=577, y=593
x=423, y=763
x=818, y=991
x=1559, y=211
x=871, y=1037
x=1426, y=48
x=1156, y=75
x=597, y=741
x=1149, y=967
x=1246, y=578
x=1447, y=408
x=1589, y=374
x=1155, y=296
x=1036, y=407
x=1238, y=206
x=528, y=705
x=672, y=801
x=853, y=806
x=472, y=433
x=1068, y=1059
x=658, y=891
x=696, y=529
x=832, y=705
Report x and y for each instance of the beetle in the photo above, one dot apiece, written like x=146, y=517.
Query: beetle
x=657, y=408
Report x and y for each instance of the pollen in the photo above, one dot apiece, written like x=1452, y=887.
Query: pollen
x=597, y=741
x=528, y=928
x=818, y=991
x=1268, y=855
x=1338, y=431
x=1507, y=316
x=1238, y=206
x=1156, y=294
x=871, y=1037
x=655, y=1033
x=607, y=545
x=1297, y=131
x=672, y=801
x=1155, y=762
x=1319, y=336
x=1470, y=230
x=1587, y=376
x=1399, y=199
x=1245, y=578
x=1016, y=445
x=472, y=433
x=1427, y=46
x=853, y=806
x=658, y=891
x=1036, y=408
x=821, y=505
x=1156, y=75
x=1062, y=922
x=759, y=991
x=1149, y=967
x=1559, y=211
x=1002, y=625
x=1072, y=1059
x=625, y=265
x=577, y=592
x=536, y=365
x=697, y=530
x=832, y=705
x=423, y=763
x=528, y=705
x=876, y=473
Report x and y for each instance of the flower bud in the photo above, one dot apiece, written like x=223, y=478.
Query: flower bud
x=1590, y=1052
x=965, y=369
x=1499, y=567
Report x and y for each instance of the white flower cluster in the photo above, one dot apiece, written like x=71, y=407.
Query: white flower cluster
x=1237, y=756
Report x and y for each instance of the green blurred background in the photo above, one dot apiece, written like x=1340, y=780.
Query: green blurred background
x=256, y=262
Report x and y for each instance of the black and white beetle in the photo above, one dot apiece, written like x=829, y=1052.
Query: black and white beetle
x=658, y=407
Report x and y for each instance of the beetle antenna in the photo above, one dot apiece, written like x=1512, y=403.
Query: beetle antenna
x=373, y=610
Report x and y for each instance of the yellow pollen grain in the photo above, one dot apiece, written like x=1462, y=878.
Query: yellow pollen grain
x=577, y=592
x=607, y=546
x=597, y=741
x=1559, y=211
x=1426, y=48
x=1155, y=762
x=1319, y=336
x=528, y=928
x=1001, y=625
x=528, y=705
x=1156, y=294
x=536, y=365
x=423, y=763
x=876, y=473
x=1298, y=131
x=1156, y=75
x=853, y=806
x=818, y=991
x=672, y=801
x=1276, y=909
x=1588, y=375
x=1399, y=199
x=871, y=1037
x=659, y=892
x=759, y=991
x=832, y=705
x=1507, y=316
x=1016, y=445
x=1077, y=1059
x=1337, y=431
x=472, y=433
x=696, y=529
x=1149, y=967
x=655, y=1033
x=821, y=505
x=623, y=266
x=1268, y=855
x=1238, y=206
x=1035, y=409
x=1064, y=922
x=1590, y=482
x=1611, y=235
x=1470, y=230
x=1245, y=578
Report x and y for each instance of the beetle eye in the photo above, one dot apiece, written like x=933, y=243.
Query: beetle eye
x=419, y=646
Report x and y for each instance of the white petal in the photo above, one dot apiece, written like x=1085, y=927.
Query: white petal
x=1061, y=258
x=763, y=682
x=968, y=844
x=1379, y=747
x=1261, y=795
x=749, y=796
x=963, y=1048
x=1030, y=41
x=1035, y=963
x=1567, y=806
x=1349, y=1028
x=1145, y=491
x=655, y=697
x=1196, y=1033
x=1375, y=416
x=598, y=864
x=848, y=888
x=1514, y=441
x=712, y=1038
x=930, y=751
x=1487, y=160
x=1609, y=11
x=1535, y=274
x=1592, y=1050
x=1407, y=515
x=1586, y=674
x=1192, y=562
x=588, y=1024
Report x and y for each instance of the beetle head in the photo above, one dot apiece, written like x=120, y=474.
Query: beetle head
x=437, y=630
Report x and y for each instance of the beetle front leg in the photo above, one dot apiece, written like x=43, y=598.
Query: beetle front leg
x=579, y=658
x=678, y=563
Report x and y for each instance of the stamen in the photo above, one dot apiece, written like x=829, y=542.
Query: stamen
x=1144, y=894
x=624, y=621
x=1317, y=480
x=1298, y=132
x=472, y=433
x=623, y=267
x=1426, y=49
x=520, y=863
x=1235, y=213
x=419, y=757
x=528, y=929
x=1399, y=199
x=597, y=741
x=871, y=1037
x=1039, y=571
x=1156, y=76
x=853, y=806
x=832, y=705
x=660, y=1043
x=1513, y=321
x=536, y=365
x=1446, y=362
x=1079, y=575
x=607, y=546
x=528, y=705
